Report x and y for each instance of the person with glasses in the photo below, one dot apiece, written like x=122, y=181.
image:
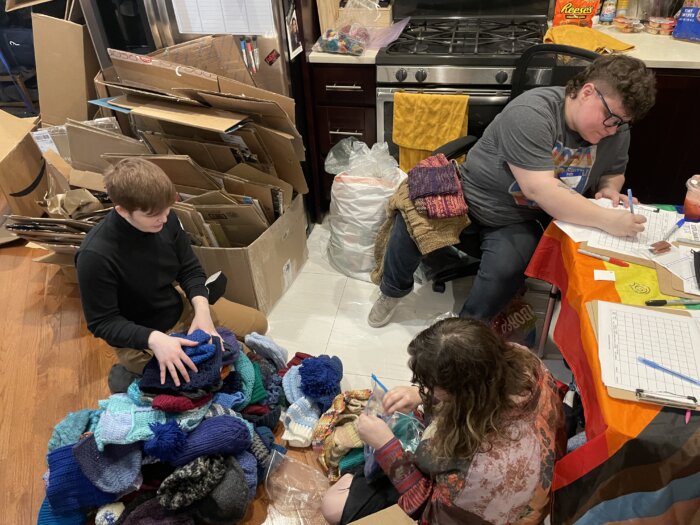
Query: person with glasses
x=549, y=149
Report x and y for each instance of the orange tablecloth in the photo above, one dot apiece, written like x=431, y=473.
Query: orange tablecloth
x=637, y=455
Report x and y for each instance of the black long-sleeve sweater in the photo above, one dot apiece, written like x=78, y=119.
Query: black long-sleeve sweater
x=126, y=279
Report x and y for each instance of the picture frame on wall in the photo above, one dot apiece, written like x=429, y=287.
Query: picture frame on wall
x=293, y=34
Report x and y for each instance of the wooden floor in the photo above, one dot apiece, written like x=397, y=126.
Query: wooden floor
x=51, y=365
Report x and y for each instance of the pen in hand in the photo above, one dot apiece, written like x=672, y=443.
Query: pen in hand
x=630, y=200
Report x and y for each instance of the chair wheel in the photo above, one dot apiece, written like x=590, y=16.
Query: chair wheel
x=438, y=287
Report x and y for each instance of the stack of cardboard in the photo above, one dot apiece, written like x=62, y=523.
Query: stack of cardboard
x=231, y=149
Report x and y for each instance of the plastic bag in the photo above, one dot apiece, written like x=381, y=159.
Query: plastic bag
x=349, y=39
x=365, y=180
x=295, y=490
x=405, y=427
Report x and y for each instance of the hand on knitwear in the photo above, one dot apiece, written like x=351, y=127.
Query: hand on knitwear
x=171, y=357
x=374, y=431
x=202, y=318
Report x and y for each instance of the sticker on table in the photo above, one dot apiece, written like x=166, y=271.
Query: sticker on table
x=603, y=275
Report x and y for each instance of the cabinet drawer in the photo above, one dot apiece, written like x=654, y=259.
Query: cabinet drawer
x=347, y=85
x=335, y=124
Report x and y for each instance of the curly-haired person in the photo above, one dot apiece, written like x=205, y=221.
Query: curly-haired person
x=488, y=453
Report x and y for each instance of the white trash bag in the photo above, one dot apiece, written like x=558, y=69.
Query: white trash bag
x=364, y=180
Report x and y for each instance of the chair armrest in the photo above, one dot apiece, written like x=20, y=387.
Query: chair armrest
x=457, y=148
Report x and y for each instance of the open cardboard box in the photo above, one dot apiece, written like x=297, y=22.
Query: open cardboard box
x=261, y=272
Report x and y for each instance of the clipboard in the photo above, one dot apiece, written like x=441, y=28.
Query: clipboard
x=655, y=398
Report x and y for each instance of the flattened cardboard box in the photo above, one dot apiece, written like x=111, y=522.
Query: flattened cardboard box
x=393, y=515
x=261, y=273
x=65, y=66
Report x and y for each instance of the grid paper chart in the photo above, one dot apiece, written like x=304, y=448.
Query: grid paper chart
x=667, y=339
x=659, y=222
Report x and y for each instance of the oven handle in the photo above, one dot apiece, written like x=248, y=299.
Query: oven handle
x=476, y=97
x=346, y=133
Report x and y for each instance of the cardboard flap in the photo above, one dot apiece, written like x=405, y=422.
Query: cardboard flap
x=181, y=169
x=87, y=144
x=233, y=87
x=279, y=146
x=142, y=71
x=216, y=157
x=218, y=54
x=14, y=129
x=247, y=172
x=270, y=114
x=150, y=94
x=205, y=118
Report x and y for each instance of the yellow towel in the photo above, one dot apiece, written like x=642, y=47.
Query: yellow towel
x=586, y=38
x=424, y=122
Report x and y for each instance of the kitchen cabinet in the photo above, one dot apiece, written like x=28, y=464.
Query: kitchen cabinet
x=344, y=106
x=664, y=146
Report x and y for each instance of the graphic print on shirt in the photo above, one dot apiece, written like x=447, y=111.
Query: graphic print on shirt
x=571, y=165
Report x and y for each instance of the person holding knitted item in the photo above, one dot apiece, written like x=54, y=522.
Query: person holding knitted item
x=549, y=149
x=126, y=268
x=487, y=455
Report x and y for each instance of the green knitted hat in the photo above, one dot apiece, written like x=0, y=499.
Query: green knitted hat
x=258, y=393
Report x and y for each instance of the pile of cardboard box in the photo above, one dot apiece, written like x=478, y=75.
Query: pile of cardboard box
x=231, y=149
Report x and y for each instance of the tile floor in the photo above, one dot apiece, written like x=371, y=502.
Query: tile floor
x=325, y=312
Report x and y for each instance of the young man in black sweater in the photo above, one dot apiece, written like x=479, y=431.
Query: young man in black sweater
x=127, y=266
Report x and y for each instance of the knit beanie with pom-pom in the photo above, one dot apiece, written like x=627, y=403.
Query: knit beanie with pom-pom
x=320, y=379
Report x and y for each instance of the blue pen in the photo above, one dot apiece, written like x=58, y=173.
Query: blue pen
x=243, y=52
x=673, y=229
x=630, y=200
x=657, y=366
x=379, y=383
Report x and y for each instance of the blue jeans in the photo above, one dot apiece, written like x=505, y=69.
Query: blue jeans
x=505, y=252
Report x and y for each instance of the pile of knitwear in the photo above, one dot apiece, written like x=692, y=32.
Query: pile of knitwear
x=310, y=385
x=435, y=188
x=169, y=454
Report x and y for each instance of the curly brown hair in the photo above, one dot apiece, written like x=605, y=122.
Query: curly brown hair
x=628, y=77
x=137, y=184
x=480, y=371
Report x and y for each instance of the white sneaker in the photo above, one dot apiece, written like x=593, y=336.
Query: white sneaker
x=384, y=307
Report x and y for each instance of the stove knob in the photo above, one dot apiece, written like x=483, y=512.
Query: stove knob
x=401, y=75
x=421, y=75
x=501, y=77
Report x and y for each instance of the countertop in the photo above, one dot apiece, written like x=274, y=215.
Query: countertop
x=657, y=51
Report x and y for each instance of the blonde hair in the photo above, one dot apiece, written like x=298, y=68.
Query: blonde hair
x=480, y=372
x=137, y=184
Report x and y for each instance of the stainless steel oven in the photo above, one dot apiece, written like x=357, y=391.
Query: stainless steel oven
x=483, y=106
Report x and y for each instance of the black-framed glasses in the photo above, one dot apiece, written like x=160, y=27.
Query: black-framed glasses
x=613, y=120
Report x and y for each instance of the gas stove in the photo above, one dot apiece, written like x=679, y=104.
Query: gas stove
x=458, y=51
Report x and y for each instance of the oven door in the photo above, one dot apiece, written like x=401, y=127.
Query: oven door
x=483, y=106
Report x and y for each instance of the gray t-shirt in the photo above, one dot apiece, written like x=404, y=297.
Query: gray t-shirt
x=531, y=133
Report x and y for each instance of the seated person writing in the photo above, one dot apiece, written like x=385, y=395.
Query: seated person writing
x=547, y=148
x=127, y=266
x=487, y=455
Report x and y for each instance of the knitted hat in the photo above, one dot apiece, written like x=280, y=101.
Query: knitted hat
x=245, y=368
x=227, y=503
x=167, y=443
x=298, y=359
x=71, y=427
x=232, y=384
x=151, y=512
x=273, y=390
x=352, y=461
x=258, y=410
x=269, y=420
x=47, y=516
x=266, y=435
x=114, y=470
x=206, y=378
x=168, y=403
x=231, y=344
x=109, y=514
x=258, y=394
x=291, y=382
x=267, y=369
x=299, y=422
x=120, y=378
x=267, y=348
x=190, y=419
x=228, y=400
x=204, y=349
x=320, y=379
x=249, y=466
x=216, y=435
x=261, y=453
x=124, y=422
x=191, y=482
x=68, y=489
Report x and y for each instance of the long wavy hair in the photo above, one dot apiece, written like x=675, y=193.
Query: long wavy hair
x=480, y=372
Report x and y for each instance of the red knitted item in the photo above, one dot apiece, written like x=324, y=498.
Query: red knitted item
x=259, y=410
x=296, y=360
x=168, y=403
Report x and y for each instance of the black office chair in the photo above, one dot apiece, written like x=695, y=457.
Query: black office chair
x=540, y=65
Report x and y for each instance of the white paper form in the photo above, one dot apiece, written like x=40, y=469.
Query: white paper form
x=659, y=222
x=681, y=263
x=582, y=233
x=626, y=333
x=238, y=17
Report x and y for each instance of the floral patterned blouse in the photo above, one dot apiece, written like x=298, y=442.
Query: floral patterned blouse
x=507, y=484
